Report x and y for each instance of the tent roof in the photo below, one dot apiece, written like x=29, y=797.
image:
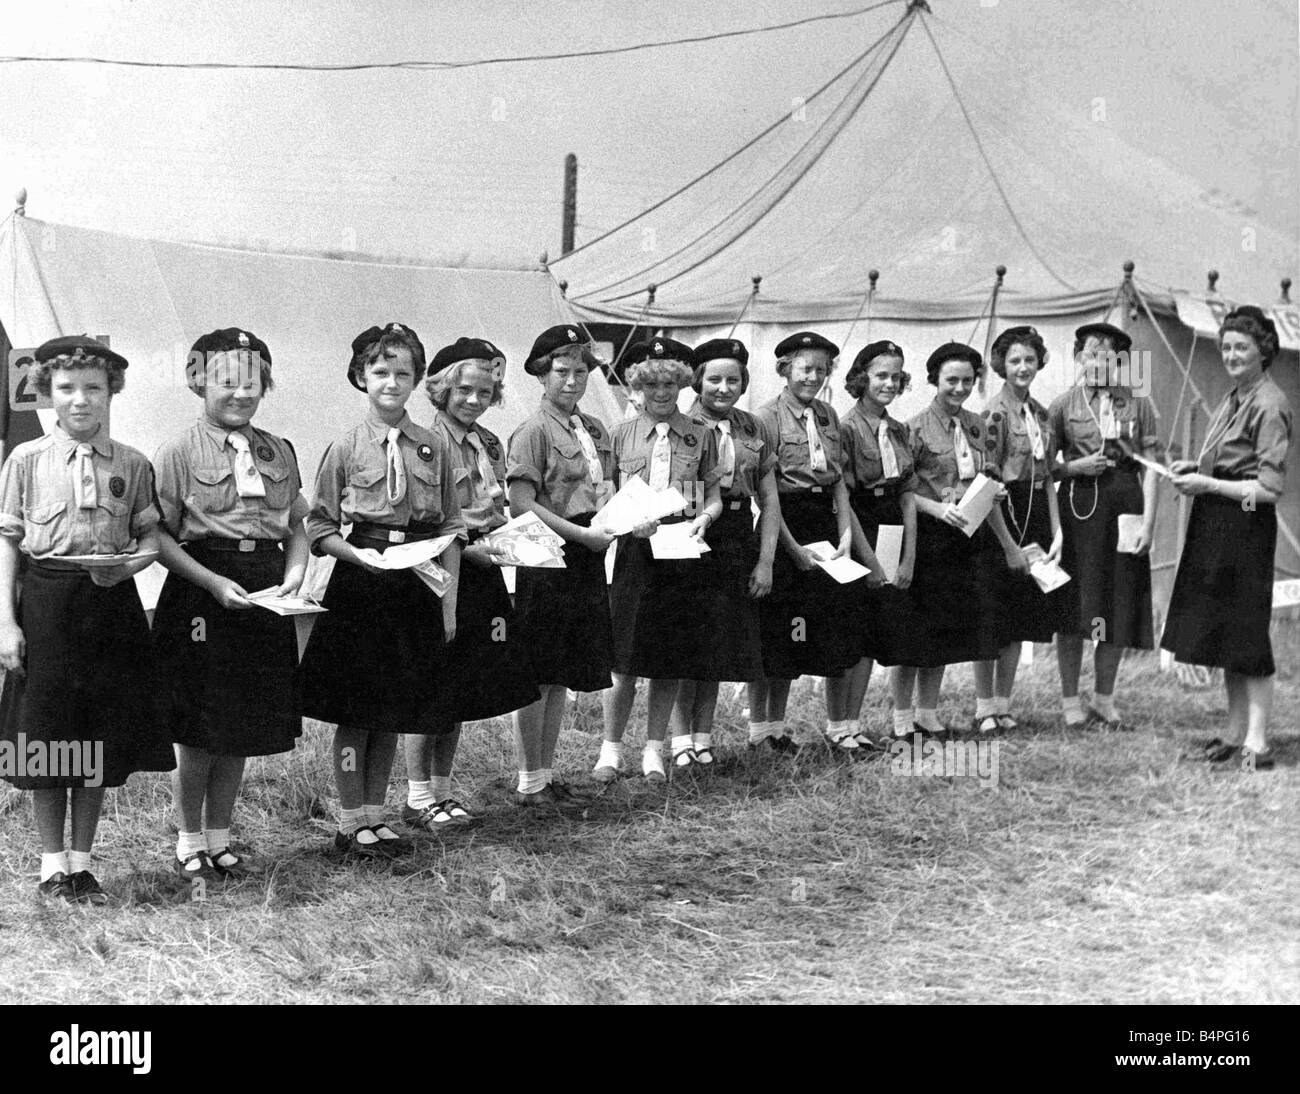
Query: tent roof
x=934, y=183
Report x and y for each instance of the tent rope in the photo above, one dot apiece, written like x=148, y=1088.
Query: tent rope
x=756, y=280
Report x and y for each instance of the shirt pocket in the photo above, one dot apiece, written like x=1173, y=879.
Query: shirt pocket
x=794, y=451
x=214, y=490
x=275, y=478
x=570, y=463
x=685, y=467
x=464, y=486
x=629, y=467
x=112, y=526
x=45, y=527
x=366, y=491
x=424, y=490
x=1083, y=432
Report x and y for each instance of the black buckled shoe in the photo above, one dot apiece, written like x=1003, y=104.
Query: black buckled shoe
x=85, y=889
x=56, y=887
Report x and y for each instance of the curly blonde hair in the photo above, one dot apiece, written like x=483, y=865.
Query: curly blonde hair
x=639, y=374
x=438, y=386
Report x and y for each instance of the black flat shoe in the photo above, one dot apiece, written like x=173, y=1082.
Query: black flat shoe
x=392, y=844
x=1221, y=753
x=548, y=798
x=236, y=869
x=348, y=844
x=55, y=888
x=85, y=889
x=203, y=867
x=784, y=745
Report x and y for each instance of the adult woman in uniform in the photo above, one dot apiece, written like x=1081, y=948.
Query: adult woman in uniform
x=659, y=631
x=811, y=625
x=1222, y=600
x=484, y=673
x=879, y=472
x=1022, y=452
x=559, y=466
x=1099, y=424
x=953, y=584
x=739, y=564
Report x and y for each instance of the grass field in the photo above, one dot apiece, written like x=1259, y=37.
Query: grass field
x=1102, y=868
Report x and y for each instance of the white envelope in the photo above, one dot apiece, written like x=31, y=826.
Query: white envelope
x=405, y=556
x=286, y=605
x=1130, y=527
x=842, y=569
x=977, y=502
x=675, y=541
x=635, y=503
x=889, y=549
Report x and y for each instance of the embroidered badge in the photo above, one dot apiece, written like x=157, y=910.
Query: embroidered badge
x=997, y=416
x=243, y=339
x=749, y=429
x=573, y=335
x=264, y=453
x=425, y=452
x=690, y=440
x=822, y=420
x=659, y=349
x=117, y=485
x=807, y=341
x=491, y=448
x=1120, y=404
x=975, y=432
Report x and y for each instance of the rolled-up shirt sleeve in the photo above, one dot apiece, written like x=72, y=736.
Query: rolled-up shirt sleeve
x=146, y=506
x=1271, y=444
x=11, y=500
x=325, y=517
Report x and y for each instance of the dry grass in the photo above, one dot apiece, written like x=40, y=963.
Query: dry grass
x=1103, y=868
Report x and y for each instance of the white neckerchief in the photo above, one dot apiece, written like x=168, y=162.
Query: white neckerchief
x=486, y=479
x=661, y=459
x=396, y=479
x=594, y=469
x=726, y=452
x=1035, y=433
x=888, y=457
x=84, y=477
x=816, y=453
x=961, y=447
x=248, y=480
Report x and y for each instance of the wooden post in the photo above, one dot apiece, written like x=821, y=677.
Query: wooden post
x=570, y=203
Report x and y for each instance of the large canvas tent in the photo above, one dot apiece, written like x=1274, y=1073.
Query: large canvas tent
x=153, y=299
x=927, y=193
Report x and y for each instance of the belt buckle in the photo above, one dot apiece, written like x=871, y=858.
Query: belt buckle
x=396, y=537
x=879, y=491
x=816, y=489
x=246, y=545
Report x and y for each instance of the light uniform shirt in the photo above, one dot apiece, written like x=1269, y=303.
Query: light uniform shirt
x=38, y=497
x=1253, y=441
x=481, y=511
x=196, y=486
x=783, y=417
x=1011, y=448
x=693, y=450
x=860, y=441
x=756, y=450
x=544, y=450
x=1075, y=417
x=933, y=449
x=352, y=483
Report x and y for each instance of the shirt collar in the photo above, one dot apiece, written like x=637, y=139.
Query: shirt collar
x=219, y=433
x=793, y=405
x=698, y=414
x=869, y=416
x=943, y=417
x=379, y=430
x=555, y=412
x=1007, y=396
x=100, y=442
x=456, y=431
x=676, y=424
x=1244, y=393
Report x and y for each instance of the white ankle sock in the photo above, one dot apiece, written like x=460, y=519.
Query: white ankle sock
x=352, y=819
x=683, y=743
x=759, y=731
x=1072, y=710
x=703, y=740
x=530, y=782
x=78, y=861
x=779, y=729
x=54, y=862
x=217, y=839
x=985, y=708
x=1105, y=706
x=903, y=722
x=1003, y=703
x=611, y=754
x=441, y=786
x=929, y=718
x=419, y=795
x=190, y=843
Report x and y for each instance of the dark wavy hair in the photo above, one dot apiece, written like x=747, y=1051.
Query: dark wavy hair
x=855, y=383
x=389, y=340
x=1002, y=346
x=1254, y=324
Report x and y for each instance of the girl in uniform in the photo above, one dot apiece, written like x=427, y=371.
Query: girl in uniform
x=879, y=473
x=79, y=681
x=1222, y=600
x=372, y=663
x=232, y=510
x=1021, y=453
x=1098, y=425
x=739, y=562
x=953, y=588
x=485, y=672
x=559, y=466
x=810, y=623
x=659, y=631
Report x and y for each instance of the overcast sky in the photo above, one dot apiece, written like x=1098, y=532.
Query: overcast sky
x=467, y=164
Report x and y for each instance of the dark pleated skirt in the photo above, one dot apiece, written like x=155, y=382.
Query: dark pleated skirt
x=563, y=619
x=486, y=671
x=1026, y=613
x=888, y=620
x=91, y=684
x=229, y=678
x=374, y=657
x=1223, y=595
x=953, y=595
x=730, y=616
x=811, y=624
x=1108, y=598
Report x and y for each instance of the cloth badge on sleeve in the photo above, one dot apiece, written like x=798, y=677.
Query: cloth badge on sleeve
x=425, y=452
x=264, y=453
x=749, y=429
x=117, y=485
x=690, y=440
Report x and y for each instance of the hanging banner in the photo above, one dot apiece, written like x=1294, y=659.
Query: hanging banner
x=1205, y=315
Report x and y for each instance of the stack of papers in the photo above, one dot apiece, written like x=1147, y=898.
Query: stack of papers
x=977, y=502
x=527, y=541
x=842, y=569
x=433, y=575
x=675, y=541
x=94, y=562
x=406, y=556
x=1130, y=528
x=889, y=549
x=286, y=605
x=1043, y=570
x=636, y=503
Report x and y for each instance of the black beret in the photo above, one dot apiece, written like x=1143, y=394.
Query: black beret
x=230, y=338
x=660, y=349
x=869, y=353
x=806, y=339
x=953, y=351
x=78, y=345
x=717, y=349
x=369, y=337
x=464, y=349
x=551, y=339
x=1118, y=338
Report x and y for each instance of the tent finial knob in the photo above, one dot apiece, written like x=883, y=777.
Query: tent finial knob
x=20, y=200
x=1212, y=280
x=1286, y=290
x=757, y=280
x=564, y=288
x=544, y=260
x=1001, y=271
x=1128, y=270
x=873, y=276
x=650, y=291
